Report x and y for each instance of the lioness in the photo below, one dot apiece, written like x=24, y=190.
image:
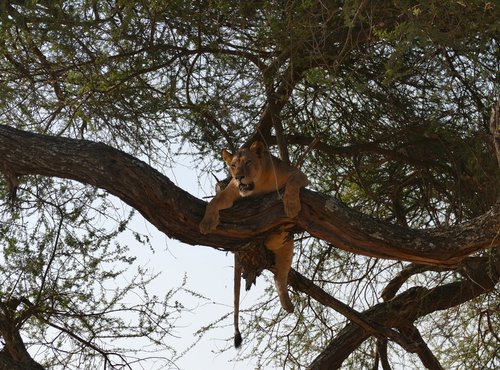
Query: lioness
x=255, y=171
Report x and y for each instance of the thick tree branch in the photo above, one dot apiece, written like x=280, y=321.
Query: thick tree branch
x=14, y=355
x=157, y=198
x=410, y=305
x=7, y=363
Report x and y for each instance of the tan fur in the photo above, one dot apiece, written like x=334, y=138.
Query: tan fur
x=255, y=171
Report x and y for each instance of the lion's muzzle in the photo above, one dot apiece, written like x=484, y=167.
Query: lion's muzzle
x=245, y=189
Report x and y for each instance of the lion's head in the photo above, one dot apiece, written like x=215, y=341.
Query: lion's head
x=246, y=166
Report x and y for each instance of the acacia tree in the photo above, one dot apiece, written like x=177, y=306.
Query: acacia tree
x=387, y=107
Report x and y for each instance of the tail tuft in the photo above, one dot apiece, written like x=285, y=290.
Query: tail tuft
x=237, y=339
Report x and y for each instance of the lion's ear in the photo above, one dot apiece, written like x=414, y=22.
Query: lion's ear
x=258, y=148
x=228, y=157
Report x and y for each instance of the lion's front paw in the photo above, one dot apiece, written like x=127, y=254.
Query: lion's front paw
x=292, y=206
x=208, y=224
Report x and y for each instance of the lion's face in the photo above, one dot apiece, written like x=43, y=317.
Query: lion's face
x=246, y=167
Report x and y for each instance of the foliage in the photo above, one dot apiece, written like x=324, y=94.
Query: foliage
x=62, y=279
x=384, y=104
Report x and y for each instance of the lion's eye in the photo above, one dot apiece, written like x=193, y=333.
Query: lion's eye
x=248, y=163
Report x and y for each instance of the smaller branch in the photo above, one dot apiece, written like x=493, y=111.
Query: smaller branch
x=382, y=354
x=105, y=354
x=473, y=93
x=54, y=77
x=18, y=66
x=280, y=138
x=424, y=353
x=310, y=146
x=51, y=258
x=413, y=269
x=495, y=128
x=303, y=284
x=12, y=181
x=203, y=111
x=373, y=147
x=471, y=268
x=491, y=328
x=276, y=100
x=350, y=43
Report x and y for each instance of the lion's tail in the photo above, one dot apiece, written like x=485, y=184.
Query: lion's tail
x=237, y=287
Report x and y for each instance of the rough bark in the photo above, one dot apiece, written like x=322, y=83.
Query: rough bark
x=482, y=274
x=157, y=199
x=495, y=128
x=7, y=363
x=13, y=355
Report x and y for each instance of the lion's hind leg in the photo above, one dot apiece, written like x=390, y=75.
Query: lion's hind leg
x=282, y=246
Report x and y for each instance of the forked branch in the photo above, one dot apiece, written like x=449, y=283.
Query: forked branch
x=402, y=311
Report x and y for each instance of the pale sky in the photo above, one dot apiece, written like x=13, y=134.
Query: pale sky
x=210, y=273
